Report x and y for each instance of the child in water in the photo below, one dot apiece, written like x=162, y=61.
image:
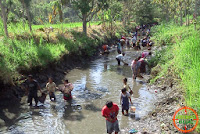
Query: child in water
x=68, y=87
x=124, y=100
x=125, y=81
x=51, y=86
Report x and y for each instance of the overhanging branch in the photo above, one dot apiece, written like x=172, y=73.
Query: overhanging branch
x=92, y=14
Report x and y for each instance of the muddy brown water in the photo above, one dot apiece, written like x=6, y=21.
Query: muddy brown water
x=94, y=84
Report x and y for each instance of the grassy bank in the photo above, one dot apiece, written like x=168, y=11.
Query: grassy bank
x=25, y=50
x=180, y=60
x=33, y=50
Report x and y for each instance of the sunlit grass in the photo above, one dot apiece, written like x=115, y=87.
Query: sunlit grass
x=23, y=27
x=33, y=50
x=183, y=57
x=64, y=25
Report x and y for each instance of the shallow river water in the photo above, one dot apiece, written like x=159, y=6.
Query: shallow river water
x=94, y=84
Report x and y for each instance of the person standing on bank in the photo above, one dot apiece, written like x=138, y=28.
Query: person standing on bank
x=110, y=112
x=32, y=88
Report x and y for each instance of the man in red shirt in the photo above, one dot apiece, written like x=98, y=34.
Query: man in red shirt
x=110, y=112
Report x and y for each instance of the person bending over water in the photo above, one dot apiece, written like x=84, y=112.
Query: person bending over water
x=145, y=54
x=120, y=58
x=135, y=67
x=110, y=112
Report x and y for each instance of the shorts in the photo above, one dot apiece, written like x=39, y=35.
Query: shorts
x=68, y=97
x=112, y=126
x=32, y=96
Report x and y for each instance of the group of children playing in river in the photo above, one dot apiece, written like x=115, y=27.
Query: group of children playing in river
x=66, y=90
x=32, y=86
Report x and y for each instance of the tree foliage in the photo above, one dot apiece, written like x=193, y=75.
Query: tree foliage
x=62, y=11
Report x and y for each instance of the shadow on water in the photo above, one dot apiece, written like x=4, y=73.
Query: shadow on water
x=92, y=107
x=9, y=114
x=73, y=112
x=121, y=70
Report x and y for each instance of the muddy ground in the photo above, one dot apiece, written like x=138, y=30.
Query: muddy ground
x=170, y=97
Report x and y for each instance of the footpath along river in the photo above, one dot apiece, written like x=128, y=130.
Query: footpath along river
x=94, y=84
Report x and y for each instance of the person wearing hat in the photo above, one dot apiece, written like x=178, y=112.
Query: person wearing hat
x=32, y=88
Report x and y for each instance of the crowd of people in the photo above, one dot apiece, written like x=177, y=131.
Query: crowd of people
x=110, y=110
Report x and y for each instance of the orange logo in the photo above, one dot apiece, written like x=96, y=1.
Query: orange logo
x=185, y=119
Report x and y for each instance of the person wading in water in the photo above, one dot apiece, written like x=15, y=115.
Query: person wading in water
x=32, y=89
x=110, y=112
x=68, y=87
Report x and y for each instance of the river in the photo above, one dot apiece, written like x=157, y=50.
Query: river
x=94, y=84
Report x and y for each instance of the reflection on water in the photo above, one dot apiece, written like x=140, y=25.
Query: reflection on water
x=101, y=81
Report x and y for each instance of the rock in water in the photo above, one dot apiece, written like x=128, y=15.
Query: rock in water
x=2, y=122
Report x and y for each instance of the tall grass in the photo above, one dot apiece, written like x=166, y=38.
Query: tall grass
x=64, y=25
x=183, y=57
x=29, y=51
x=17, y=55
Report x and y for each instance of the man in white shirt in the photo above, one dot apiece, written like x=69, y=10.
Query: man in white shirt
x=120, y=58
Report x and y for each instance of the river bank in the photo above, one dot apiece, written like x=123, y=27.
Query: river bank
x=174, y=78
x=59, y=52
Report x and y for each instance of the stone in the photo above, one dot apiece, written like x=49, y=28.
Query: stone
x=2, y=122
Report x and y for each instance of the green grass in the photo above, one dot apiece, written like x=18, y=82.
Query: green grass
x=31, y=50
x=65, y=25
x=20, y=28
x=25, y=50
x=182, y=57
x=17, y=55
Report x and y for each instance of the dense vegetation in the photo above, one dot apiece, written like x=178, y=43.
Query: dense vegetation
x=40, y=12
x=180, y=61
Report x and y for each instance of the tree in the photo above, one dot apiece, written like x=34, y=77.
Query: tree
x=174, y=7
x=111, y=15
x=26, y=6
x=57, y=9
x=144, y=12
x=88, y=8
x=4, y=16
